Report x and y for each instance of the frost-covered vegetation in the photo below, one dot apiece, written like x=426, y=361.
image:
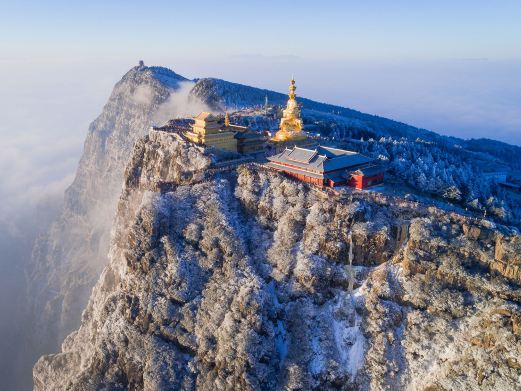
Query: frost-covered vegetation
x=240, y=281
x=448, y=172
x=448, y=169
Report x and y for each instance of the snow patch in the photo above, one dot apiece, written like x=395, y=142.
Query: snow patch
x=350, y=341
x=317, y=363
x=281, y=342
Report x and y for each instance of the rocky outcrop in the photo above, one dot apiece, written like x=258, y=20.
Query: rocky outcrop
x=507, y=259
x=240, y=281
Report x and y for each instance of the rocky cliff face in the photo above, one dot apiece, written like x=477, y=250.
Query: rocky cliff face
x=68, y=260
x=241, y=280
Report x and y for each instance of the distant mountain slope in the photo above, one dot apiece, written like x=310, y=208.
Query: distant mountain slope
x=221, y=94
x=508, y=153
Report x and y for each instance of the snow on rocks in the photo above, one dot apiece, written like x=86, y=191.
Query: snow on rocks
x=240, y=282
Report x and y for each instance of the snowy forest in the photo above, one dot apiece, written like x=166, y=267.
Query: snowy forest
x=444, y=170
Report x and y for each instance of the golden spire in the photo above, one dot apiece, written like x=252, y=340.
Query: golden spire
x=226, y=120
x=292, y=88
x=291, y=124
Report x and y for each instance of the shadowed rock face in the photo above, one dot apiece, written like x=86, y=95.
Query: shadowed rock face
x=240, y=282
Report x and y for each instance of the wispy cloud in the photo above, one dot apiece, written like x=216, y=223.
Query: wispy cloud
x=180, y=104
x=143, y=94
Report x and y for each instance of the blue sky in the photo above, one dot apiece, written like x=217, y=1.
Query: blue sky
x=450, y=66
x=311, y=29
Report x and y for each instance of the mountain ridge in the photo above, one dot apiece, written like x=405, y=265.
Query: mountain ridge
x=222, y=94
x=68, y=260
x=69, y=257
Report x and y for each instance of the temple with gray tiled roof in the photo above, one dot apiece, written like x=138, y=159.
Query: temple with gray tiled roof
x=326, y=166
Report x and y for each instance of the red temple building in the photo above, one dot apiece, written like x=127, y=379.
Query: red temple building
x=325, y=166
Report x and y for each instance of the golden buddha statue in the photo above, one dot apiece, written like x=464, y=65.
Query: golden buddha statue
x=291, y=124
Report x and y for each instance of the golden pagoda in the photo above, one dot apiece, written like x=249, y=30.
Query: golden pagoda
x=291, y=125
x=226, y=120
x=208, y=130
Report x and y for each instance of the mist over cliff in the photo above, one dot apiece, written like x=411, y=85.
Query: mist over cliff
x=68, y=259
